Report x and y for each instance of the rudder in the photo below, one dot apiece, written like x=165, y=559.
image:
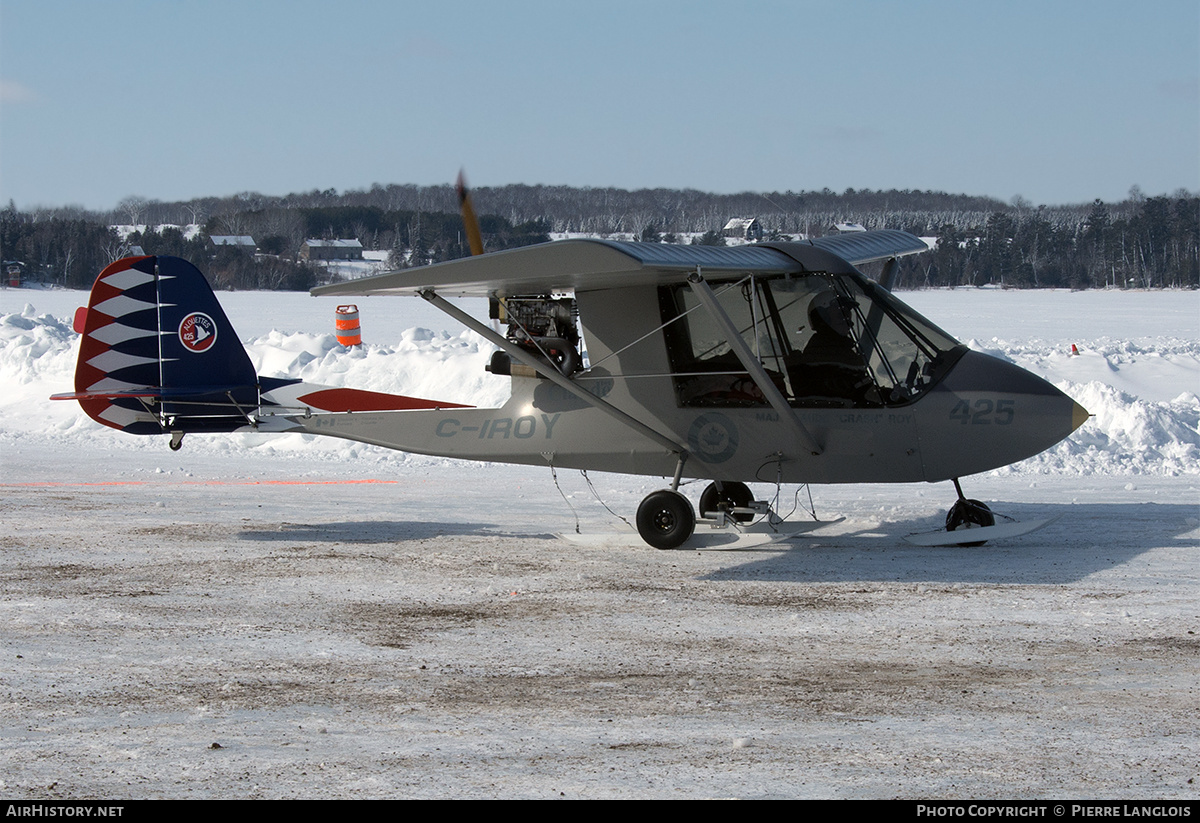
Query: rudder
x=156, y=345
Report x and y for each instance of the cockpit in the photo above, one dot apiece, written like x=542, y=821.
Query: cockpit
x=825, y=340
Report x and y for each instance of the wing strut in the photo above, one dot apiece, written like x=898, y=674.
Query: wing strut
x=888, y=275
x=552, y=374
x=757, y=372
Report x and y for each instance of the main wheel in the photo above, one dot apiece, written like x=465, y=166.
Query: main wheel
x=969, y=514
x=665, y=519
x=733, y=495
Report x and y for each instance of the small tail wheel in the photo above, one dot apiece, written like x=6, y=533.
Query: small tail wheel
x=730, y=496
x=969, y=514
x=665, y=519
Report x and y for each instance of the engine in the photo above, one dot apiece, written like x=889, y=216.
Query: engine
x=544, y=326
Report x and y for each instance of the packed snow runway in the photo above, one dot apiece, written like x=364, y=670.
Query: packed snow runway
x=283, y=616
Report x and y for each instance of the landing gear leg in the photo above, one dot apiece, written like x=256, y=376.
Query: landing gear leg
x=968, y=514
x=683, y=456
x=176, y=441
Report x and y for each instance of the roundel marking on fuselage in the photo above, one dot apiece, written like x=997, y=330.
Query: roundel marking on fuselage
x=713, y=437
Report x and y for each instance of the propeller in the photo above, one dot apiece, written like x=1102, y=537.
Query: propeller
x=470, y=221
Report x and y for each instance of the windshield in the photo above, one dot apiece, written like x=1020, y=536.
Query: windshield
x=824, y=339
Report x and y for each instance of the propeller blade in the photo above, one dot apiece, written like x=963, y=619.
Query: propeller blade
x=470, y=221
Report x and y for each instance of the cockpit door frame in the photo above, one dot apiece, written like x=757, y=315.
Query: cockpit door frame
x=757, y=373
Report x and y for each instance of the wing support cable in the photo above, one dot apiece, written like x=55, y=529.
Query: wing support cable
x=757, y=373
x=552, y=374
x=650, y=333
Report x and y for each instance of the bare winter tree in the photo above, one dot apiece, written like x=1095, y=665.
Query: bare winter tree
x=133, y=208
x=195, y=211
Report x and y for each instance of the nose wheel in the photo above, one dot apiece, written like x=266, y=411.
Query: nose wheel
x=968, y=514
x=970, y=518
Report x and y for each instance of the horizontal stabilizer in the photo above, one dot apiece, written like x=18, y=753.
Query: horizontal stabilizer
x=106, y=395
x=156, y=393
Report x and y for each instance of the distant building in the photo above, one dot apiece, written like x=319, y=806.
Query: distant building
x=331, y=250
x=14, y=272
x=242, y=241
x=845, y=228
x=746, y=228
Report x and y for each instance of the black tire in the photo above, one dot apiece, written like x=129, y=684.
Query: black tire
x=665, y=519
x=734, y=495
x=965, y=514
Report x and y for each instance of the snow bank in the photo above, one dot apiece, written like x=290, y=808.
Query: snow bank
x=1126, y=435
x=37, y=359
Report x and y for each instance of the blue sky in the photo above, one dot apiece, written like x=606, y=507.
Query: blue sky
x=1058, y=102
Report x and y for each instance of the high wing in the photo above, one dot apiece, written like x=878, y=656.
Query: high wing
x=586, y=264
x=857, y=248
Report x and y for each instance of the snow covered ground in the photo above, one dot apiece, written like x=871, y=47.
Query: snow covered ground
x=342, y=620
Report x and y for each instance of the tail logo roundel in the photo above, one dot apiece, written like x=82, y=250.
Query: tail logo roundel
x=197, y=332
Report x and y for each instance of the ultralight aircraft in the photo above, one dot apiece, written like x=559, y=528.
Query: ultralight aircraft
x=770, y=363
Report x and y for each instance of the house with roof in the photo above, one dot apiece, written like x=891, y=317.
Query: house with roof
x=331, y=250
x=243, y=242
x=744, y=228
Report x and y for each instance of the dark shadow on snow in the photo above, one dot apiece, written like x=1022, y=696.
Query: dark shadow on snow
x=1084, y=540
x=379, y=531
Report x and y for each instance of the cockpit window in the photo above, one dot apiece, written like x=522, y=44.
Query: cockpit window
x=826, y=340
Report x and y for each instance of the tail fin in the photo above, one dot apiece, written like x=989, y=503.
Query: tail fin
x=159, y=355
x=157, y=345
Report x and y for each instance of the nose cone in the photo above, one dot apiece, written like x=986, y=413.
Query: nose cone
x=1079, y=415
x=987, y=413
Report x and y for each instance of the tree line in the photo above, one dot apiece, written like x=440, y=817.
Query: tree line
x=1152, y=243
x=1140, y=242
x=70, y=252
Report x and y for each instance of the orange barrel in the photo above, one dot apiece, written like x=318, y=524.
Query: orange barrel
x=348, y=332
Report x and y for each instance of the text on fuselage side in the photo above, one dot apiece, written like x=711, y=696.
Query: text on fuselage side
x=522, y=428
